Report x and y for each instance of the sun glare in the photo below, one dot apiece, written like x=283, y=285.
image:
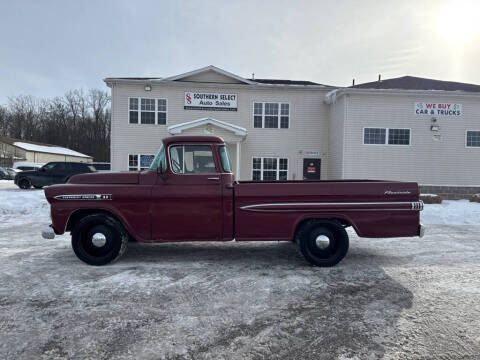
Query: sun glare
x=458, y=21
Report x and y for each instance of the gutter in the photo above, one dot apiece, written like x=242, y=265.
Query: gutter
x=113, y=81
x=332, y=96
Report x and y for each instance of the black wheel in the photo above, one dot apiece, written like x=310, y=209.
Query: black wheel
x=24, y=184
x=99, y=239
x=323, y=243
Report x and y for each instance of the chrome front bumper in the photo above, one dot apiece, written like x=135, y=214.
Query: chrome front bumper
x=421, y=230
x=48, y=233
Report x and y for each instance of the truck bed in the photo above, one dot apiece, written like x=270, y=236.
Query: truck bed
x=375, y=208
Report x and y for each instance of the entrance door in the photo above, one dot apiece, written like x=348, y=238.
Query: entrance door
x=311, y=169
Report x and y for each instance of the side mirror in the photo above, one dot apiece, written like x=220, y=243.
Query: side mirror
x=42, y=169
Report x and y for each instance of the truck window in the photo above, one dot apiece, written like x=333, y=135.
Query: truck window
x=192, y=159
x=225, y=159
x=159, y=160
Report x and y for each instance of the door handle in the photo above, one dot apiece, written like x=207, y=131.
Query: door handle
x=213, y=178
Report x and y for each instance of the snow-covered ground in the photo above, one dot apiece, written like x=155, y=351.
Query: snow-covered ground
x=405, y=298
x=451, y=212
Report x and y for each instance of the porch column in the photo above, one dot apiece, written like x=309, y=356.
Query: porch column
x=237, y=173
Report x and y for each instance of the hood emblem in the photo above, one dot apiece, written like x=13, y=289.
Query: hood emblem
x=84, y=197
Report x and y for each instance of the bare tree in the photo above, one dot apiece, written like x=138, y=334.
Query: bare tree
x=78, y=120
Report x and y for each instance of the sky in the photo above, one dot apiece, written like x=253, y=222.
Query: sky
x=50, y=47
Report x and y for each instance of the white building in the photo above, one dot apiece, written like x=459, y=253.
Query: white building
x=15, y=150
x=401, y=129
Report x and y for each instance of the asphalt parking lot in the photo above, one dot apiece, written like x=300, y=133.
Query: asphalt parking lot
x=405, y=298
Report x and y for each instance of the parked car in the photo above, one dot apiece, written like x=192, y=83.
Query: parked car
x=4, y=174
x=182, y=198
x=101, y=166
x=12, y=172
x=27, y=165
x=51, y=173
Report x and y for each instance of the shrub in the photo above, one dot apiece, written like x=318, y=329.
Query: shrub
x=431, y=198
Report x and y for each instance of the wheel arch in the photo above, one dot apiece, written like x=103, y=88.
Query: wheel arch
x=79, y=214
x=325, y=218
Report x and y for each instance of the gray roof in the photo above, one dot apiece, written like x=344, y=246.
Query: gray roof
x=417, y=83
x=285, y=82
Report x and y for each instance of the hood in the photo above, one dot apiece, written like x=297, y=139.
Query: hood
x=27, y=172
x=105, y=178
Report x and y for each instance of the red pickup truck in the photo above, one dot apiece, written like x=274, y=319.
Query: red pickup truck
x=189, y=194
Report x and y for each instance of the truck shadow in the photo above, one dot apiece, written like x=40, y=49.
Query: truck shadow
x=270, y=303
x=233, y=300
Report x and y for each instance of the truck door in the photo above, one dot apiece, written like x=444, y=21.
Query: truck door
x=187, y=198
x=311, y=169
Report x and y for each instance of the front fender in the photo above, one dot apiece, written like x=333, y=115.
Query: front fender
x=130, y=204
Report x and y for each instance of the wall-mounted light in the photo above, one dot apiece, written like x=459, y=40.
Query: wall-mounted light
x=148, y=88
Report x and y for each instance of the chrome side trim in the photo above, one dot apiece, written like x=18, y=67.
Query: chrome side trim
x=409, y=206
x=417, y=205
x=84, y=197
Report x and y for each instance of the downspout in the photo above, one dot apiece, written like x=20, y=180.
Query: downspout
x=345, y=112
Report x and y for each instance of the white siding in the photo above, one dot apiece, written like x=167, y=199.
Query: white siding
x=336, y=141
x=426, y=161
x=308, y=130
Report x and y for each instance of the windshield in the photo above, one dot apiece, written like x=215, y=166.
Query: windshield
x=159, y=160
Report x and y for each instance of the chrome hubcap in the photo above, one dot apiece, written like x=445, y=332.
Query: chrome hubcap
x=99, y=240
x=322, y=242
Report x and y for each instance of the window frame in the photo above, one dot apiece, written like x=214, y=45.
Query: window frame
x=279, y=116
x=277, y=170
x=466, y=135
x=138, y=167
x=139, y=111
x=192, y=144
x=387, y=132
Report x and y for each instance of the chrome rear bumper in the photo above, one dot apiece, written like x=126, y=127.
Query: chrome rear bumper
x=48, y=233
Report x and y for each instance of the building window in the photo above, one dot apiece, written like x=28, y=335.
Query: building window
x=133, y=111
x=473, y=138
x=162, y=111
x=147, y=115
x=398, y=136
x=148, y=111
x=271, y=115
x=257, y=115
x=385, y=136
x=269, y=168
x=374, y=136
x=138, y=162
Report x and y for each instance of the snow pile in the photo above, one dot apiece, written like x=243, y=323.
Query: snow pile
x=48, y=149
x=18, y=207
x=451, y=212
